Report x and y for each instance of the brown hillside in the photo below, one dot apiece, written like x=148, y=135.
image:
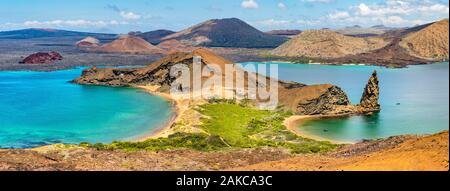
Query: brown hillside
x=395, y=153
x=326, y=44
x=430, y=42
x=401, y=153
x=391, y=55
x=175, y=45
x=131, y=44
x=230, y=32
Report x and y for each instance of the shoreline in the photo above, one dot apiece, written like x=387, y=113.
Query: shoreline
x=292, y=123
x=163, y=130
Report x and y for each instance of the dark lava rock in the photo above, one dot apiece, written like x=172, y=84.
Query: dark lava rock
x=369, y=99
x=42, y=58
x=324, y=102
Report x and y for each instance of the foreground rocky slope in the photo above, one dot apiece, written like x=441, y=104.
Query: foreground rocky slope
x=299, y=98
x=400, y=153
x=395, y=153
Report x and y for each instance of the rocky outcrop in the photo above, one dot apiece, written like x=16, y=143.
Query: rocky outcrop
x=326, y=103
x=324, y=99
x=42, y=58
x=156, y=73
x=369, y=99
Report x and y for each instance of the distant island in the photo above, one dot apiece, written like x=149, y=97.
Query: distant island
x=240, y=42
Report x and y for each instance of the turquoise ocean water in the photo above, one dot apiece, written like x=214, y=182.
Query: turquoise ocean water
x=40, y=108
x=414, y=100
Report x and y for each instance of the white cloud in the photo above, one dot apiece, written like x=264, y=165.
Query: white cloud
x=281, y=5
x=392, y=7
x=339, y=15
x=64, y=23
x=129, y=15
x=397, y=13
x=124, y=14
x=249, y=4
x=393, y=20
x=273, y=22
x=376, y=10
x=308, y=22
x=398, y=21
x=436, y=8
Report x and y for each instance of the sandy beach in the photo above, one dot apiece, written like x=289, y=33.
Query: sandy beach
x=177, y=108
x=183, y=114
x=180, y=106
x=292, y=124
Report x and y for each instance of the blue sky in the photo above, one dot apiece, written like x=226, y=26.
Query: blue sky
x=121, y=16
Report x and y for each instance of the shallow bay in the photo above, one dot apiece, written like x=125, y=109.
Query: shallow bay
x=40, y=108
x=414, y=100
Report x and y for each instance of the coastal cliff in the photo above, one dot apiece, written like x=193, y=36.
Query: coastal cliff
x=323, y=99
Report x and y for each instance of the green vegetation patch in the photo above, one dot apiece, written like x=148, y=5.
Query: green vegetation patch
x=202, y=142
x=230, y=125
x=247, y=127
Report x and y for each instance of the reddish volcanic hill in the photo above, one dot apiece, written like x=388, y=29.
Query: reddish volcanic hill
x=42, y=58
x=88, y=42
x=131, y=44
x=175, y=45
